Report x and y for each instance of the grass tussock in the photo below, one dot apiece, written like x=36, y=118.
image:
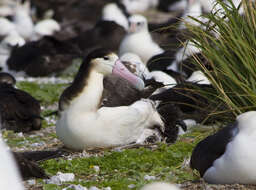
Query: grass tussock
x=228, y=41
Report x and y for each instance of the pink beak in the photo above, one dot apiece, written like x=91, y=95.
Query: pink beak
x=191, y=2
x=121, y=71
x=132, y=27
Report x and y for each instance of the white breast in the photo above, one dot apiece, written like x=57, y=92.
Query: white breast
x=140, y=44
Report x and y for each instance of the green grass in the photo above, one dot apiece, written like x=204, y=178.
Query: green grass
x=47, y=94
x=232, y=55
x=118, y=170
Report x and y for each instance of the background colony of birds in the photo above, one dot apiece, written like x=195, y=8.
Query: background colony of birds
x=126, y=88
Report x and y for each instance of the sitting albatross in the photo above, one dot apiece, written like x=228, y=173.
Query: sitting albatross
x=82, y=124
x=227, y=157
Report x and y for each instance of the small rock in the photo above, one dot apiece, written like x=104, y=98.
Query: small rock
x=148, y=177
x=37, y=144
x=107, y=188
x=20, y=134
x=131, y=186
x=60, y=178
x=31, y=182
x=75, y=187
x=96, y=168
x=94, y=188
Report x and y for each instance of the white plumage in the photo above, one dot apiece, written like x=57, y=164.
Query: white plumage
x=23, y=21
x=111, y=12
x=199, y=78
x=139, y=6
x=183, y=53
x=9, y=175
x=46, y=27
x=6, y=27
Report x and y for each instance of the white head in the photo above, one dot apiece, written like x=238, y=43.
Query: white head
x=112, y=12
x=138, y=6
x=22, y=9
x=247, y=121
x=106, y=63
x=137, y=23
x=23, y=6
x=47, y=27
x=160, y=186
x=23, y=21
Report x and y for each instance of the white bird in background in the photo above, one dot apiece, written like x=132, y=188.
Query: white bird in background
x=138, y=40
x=193, y=9
x=139, y=6
x=112, y=12
x=23, y=25
x=23, y=21
x=46, y=27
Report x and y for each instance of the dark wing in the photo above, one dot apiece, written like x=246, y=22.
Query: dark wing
x=41, y=155
x=105, y=34
x=186, y=96
x=119, y=92
x=27, y=168
x=211, y=148
x=43, y=57
x=171, y=116
x=27, y=165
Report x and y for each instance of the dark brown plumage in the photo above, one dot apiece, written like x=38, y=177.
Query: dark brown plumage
x=44, y=57
x=171, y=116
x=105, y=34
x=27, y=162
x=19, y=110
x=187, y=97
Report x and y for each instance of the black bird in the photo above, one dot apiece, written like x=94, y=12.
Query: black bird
x=44, y=57
x=172, y=118
x=20, y=112
x=105, y=34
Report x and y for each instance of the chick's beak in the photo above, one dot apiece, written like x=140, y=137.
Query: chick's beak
x=120, y=70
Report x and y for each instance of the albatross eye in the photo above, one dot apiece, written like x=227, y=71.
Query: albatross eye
x=139, y=23
x=106, y=58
